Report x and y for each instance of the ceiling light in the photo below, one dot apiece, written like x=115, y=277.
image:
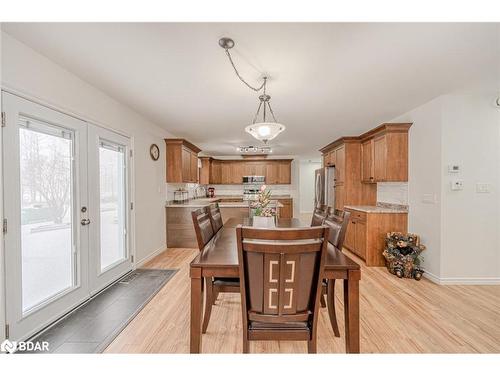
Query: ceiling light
x=254, y=149
x=262, y=130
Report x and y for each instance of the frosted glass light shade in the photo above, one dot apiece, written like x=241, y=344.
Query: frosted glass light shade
x=265, y=131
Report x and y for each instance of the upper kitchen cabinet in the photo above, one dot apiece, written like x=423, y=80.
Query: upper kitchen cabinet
x=182, y=161
x=345, y=155
x=275, y=171
x=384, y=153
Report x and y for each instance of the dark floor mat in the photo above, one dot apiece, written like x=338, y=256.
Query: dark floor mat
x=93, y=326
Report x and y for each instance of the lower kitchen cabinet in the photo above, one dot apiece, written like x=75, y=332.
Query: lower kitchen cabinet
x=286, y=212
x=366, y=233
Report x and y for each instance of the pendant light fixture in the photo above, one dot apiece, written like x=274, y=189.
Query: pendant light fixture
x=263, y=130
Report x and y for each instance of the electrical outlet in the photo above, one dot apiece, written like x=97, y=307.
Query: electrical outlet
x=429, y=198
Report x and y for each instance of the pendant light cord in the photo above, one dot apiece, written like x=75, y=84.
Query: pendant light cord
x=262, y=86
x=263, y=103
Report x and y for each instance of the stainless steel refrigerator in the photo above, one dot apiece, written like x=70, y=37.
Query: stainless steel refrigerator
x=324, y=186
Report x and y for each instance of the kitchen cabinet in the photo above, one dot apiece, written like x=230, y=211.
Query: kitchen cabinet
x=385, y=154
x=215, y=176
x=182, y=160
x=286, y=212
x=226, y=172
x=213, y=171
x=366, y=233
x=367, y=174
x=339, y=163
x=339, y=197
x=285, y=172
x=345, y=156
x=272, y=173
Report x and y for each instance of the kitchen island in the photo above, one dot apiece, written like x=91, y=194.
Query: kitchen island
x=180, y=229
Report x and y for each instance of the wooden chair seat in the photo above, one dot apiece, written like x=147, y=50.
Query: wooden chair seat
x=228, y=281
x=279, y=326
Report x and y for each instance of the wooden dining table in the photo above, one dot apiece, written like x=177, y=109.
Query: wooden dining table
x=220, y=259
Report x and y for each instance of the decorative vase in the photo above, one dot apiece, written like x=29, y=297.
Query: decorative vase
x=264, y=221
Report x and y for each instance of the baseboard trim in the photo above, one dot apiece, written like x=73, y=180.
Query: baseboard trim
x=431, y=277
x=462, y=280
x=146, y=259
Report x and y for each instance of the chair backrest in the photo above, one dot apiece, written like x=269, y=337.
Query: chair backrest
x=215, y=216
x=281, y=272
x=337, y=221
x=202, y=226
x=319, y=214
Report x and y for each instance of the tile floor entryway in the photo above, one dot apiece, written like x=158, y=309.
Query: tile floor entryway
x=91, y=327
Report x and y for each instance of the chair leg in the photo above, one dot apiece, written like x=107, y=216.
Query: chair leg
x=331, y=307
x=322, y=300
x=311, y=345
x=209, y=288
x=246, y=344
x=215, y=295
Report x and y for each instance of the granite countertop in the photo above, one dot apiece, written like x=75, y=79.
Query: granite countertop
x=379, y=209
x=274, y=196
x=202, y=202
x=192, y=203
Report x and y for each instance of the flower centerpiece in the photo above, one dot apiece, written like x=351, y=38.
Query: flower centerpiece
x=263, y=214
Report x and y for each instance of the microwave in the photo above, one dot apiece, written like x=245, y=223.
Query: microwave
x=254, y=180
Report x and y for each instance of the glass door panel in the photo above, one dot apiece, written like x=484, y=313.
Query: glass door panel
x=112, y=203
x=109, y=202
x=47, y=216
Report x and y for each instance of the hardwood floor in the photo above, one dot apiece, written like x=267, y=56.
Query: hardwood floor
x=397, y=316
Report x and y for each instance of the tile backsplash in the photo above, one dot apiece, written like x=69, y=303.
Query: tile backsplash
x=191, y=188
x=227, y=189
x=392, y=192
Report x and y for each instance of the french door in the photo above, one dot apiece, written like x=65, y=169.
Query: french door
x=110, y=203
x=65, y=201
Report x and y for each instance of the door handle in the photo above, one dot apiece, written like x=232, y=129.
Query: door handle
x=85, y=222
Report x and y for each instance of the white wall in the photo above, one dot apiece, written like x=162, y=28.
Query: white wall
x=459, y=228
x=306, y=184
x=26, y=71
x=470, y=220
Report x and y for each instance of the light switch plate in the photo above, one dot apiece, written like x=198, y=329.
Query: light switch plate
x=482, y=187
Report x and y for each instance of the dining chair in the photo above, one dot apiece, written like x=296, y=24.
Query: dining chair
x=215, y=216
x=281, y=273
x=319, y=214
x=337, y=221
x=204, y=228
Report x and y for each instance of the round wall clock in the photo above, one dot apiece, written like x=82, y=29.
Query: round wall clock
x=154, y=151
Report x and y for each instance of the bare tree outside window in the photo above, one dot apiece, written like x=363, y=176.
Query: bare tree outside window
x=46, y=163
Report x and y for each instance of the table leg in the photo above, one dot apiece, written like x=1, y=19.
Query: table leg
x=351, y=311
x=196, y=310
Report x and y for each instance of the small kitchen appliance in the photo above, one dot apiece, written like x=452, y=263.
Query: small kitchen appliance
x=180, y=195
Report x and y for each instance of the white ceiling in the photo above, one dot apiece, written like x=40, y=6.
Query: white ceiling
x=327, y=80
